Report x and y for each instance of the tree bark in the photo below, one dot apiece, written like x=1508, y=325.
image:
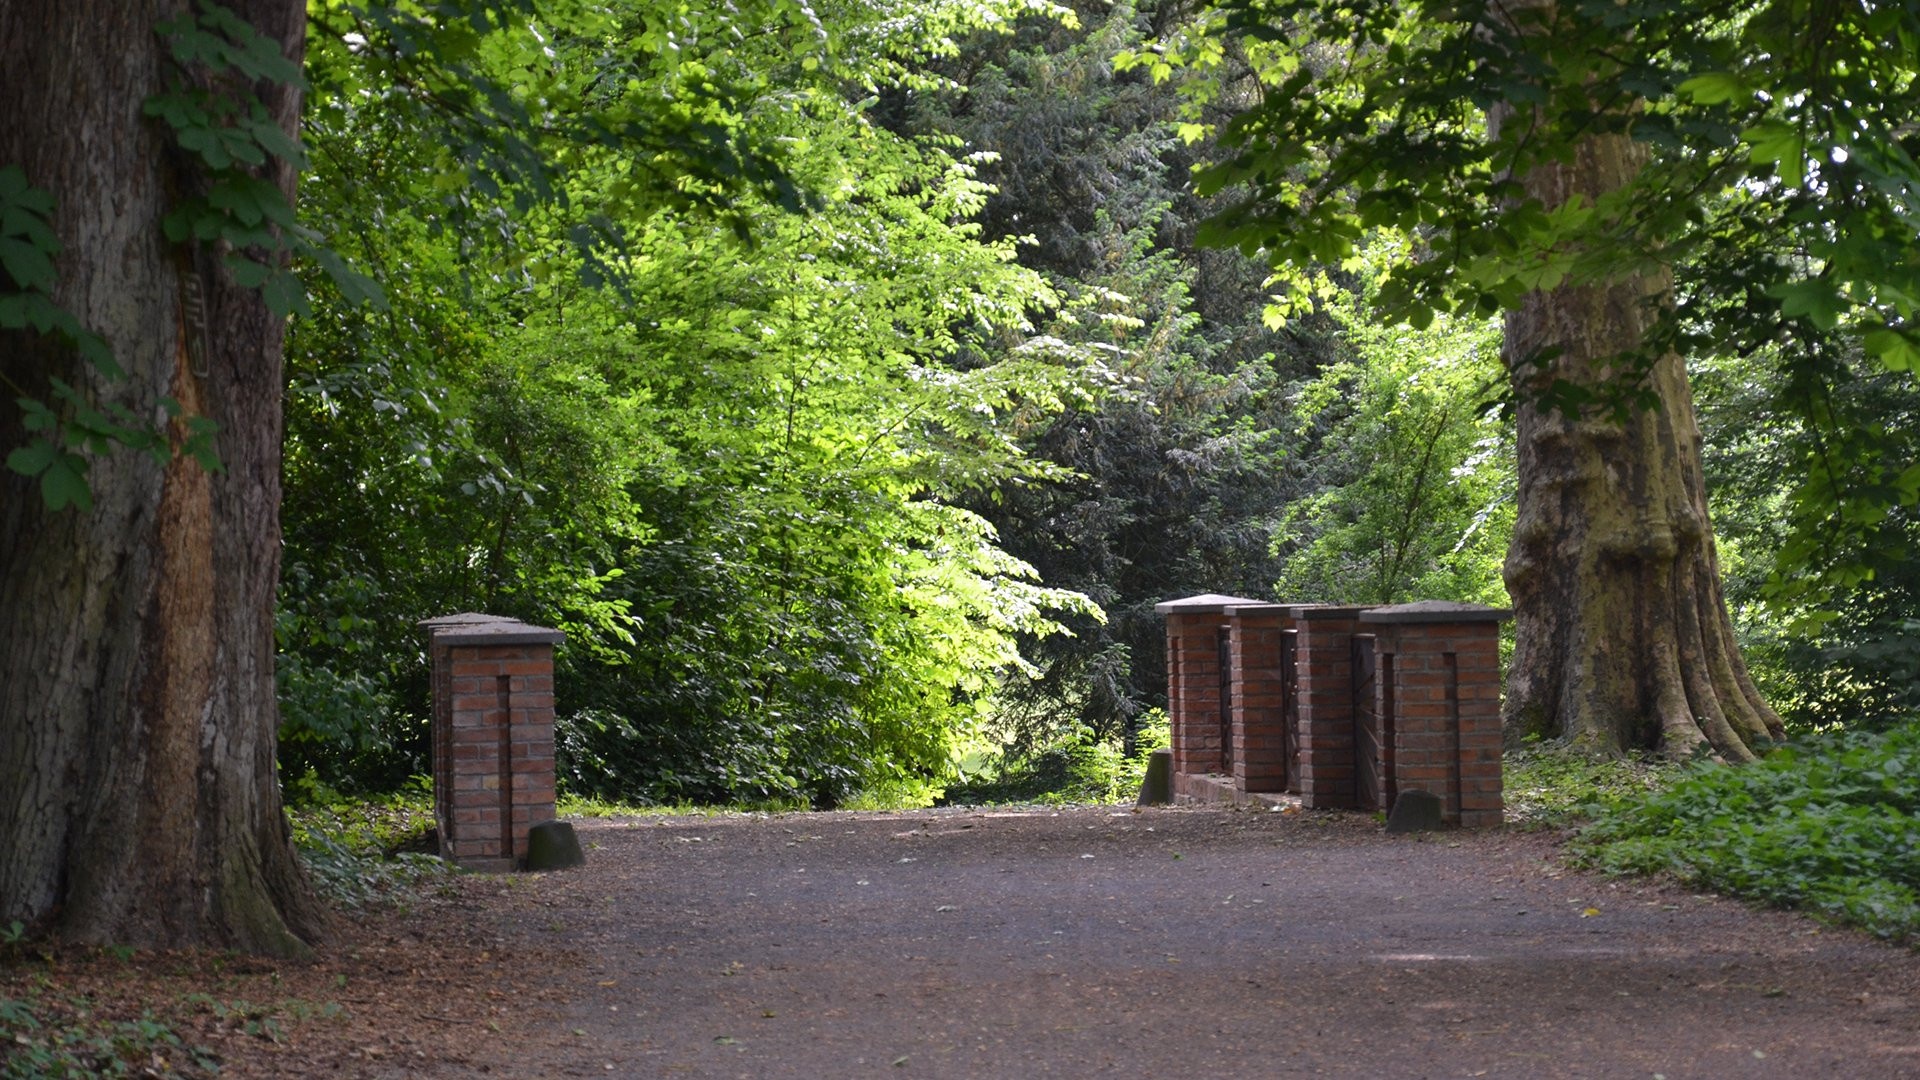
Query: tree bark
x=1622, y=633
x=138, y=797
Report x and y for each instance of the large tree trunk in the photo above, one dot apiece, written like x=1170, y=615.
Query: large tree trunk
x=138, y=799
x=1622, y=634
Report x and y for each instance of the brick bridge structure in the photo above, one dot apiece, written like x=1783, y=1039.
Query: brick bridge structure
x=1341, y=706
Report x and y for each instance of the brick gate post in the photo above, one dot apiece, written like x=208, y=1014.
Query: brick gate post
x=1446, y=704
x=1259, y=708
x=493, y=769
x=1325, y=666
x=1193, y=679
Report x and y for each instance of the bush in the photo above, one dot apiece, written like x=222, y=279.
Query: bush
x=1827, y=826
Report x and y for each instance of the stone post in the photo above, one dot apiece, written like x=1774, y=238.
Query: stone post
x=493, y=771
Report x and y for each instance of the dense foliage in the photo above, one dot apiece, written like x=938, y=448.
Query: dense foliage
x=1850, y=657
x=1173, y=479
x=724, y=453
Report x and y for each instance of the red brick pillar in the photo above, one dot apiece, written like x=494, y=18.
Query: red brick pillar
x=1324, y=666
x=1193, y=678
x=1445, y=689
x=1259, y=709
x=493, y=776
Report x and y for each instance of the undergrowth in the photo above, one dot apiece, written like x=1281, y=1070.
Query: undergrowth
x=1071, y=770
x=586, y=806
x=365, y=850
x=65, y=1037
x=1550, y=785
x=1827, y=826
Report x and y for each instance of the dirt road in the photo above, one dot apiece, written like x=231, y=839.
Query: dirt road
x=1209, y=943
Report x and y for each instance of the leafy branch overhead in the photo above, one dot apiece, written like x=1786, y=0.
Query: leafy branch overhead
x=60, y=431
x=1780, y=196
x=1783, y=134
x=217, y=119
x=227, y=130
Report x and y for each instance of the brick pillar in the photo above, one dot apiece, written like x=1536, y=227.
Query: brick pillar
x=1324, y=665
x=493, y=775
x=1260, y=745
x=1446, y=704
x=1193, y=678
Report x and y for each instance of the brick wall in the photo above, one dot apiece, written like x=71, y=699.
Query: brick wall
x=493, y=768
x=1436, y=700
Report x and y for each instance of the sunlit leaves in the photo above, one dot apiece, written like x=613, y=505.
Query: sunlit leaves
x=1896, y=350
x=1715, y=88
x=711, y=437
x=1781, y=145
x=1415, y=481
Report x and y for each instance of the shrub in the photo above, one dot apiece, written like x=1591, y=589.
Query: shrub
x=364, y=850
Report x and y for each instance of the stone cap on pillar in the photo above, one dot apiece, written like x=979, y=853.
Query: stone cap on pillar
x=1259, y=609
x=1435, y=611
x=1330, y=611
x=472, y=628
x=1204, y=604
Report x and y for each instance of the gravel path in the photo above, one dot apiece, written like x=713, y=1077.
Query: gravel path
x=1216, y=943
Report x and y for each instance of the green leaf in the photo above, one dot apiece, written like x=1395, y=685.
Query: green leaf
x=284, y=294
x=1715, y=87
x=13, y=183
x=33, y=458
x=277, y=142
x=94, y=350
x=1896, y=349
x=64, y=483
x=27, y=264
x=1814, y=299
x=1783, y=145
x=238, y=200
x=246, y=272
